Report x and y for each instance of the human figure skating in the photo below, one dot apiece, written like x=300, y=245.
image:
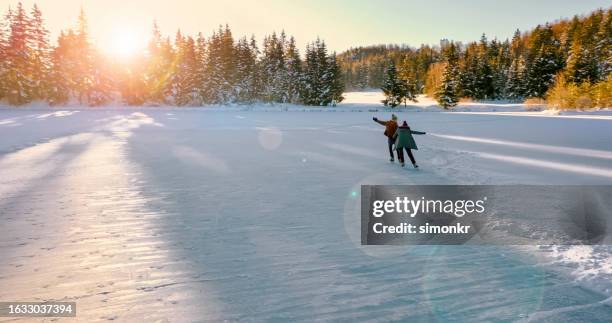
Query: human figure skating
x=404, y=140
x=390, y=129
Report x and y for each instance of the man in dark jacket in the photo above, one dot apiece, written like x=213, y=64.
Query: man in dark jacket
x=390, y=128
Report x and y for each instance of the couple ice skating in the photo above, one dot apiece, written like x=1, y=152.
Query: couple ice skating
x=401, y=138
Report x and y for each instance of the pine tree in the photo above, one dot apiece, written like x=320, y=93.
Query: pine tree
x=59, y=91
x=245, y=71
x=83, y=61
x=274, y=69
x=361, y=77
x=186, y=88
x=4, y=32
x=214, y=72
x=200, y=69
x=484, y=74
x=323, y=95
x=256, y=78
x=543, y=61
x=40, y=55
x=168, y=68
x=411, y=90
x=311, y=76
x=604, y=46
x=500, y=63
x=568, y=37
x=160, y=58
x=229, y=65
x=468, y=73
x=334, y=80
x=101, y=87
x=322, y=80
x=294, y=72
x=18, y=59
x=578, y=62
x=515, y=87
x=515, y=80
x=393, y=88
x=447, y=93
x=221, y=67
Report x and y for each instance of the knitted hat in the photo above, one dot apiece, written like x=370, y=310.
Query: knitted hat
x=393, y=117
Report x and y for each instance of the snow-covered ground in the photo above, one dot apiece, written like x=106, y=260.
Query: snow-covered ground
x=192, y=214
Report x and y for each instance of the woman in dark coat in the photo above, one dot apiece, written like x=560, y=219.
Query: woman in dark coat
x=404, y=140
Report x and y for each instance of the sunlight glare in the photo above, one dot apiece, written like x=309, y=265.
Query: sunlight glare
x=125, y=43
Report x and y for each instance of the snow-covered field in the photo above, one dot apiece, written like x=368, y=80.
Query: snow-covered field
x=195, y=214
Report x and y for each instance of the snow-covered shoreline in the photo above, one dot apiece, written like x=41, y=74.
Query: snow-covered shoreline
x=354, y=102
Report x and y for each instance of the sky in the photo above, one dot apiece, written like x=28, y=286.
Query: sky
x=341, y=23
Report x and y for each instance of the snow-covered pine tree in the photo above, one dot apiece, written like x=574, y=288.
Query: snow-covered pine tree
x=323, y=96
x=228, y=65
x=515, y=87
x=310, y=76
x=214, y=71
x=568, y=36
x=83, y=61
x=361, y=77
x=158, y=67
x=410, y=91
x=256, y=78
x=187, y=90
x=393, y=88
x=274, y=69
x=172, y=84
x=4, y=32
x=102, y=85
x=200, y=69
x=294, y=72
x=468, y=73
x=40, y=55
x=245, y=71
x=501, y=62
x=318, y=76
x=604, y=46
x=335, y=80
x=447, y=93
x=582, y=62
x=484, y=74
x=543, y=61
x=166, y=83
x=60, y=79
x=18, y=56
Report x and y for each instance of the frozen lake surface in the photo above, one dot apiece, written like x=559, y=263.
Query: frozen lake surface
x=194, y=214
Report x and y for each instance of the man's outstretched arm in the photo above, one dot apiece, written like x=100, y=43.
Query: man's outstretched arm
x=384, y=123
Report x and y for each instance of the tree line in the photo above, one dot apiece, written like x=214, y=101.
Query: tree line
x=568, y=63
x=185, y=70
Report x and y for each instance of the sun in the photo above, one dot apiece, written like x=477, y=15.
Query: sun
x=126, y=42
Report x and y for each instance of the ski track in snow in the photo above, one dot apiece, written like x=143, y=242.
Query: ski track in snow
x=187, y=215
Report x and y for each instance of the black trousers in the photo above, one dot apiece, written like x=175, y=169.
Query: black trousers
x=400, y=155
x=391, y=142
